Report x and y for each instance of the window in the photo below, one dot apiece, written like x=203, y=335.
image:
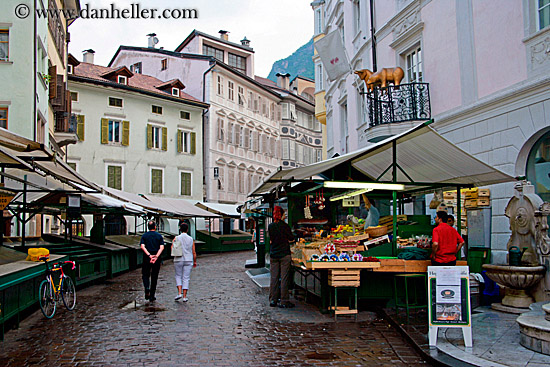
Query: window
x=69, y=69
x=185, y=183
x=292, y=145
x=116, y=102
x=137, y=68
x=212, y=51
x=220, y=85
x=272, y=111
x=286, y=111
x=4, y=44
x=242, y=138
x=538, y=166
x=241, y=96
x=344, y=127
x=157, y=137
x=175, y=92
x=414, y=66
x=156, y=180
x=319, y=77
x=544, y=13
x=292, y=112
x=241, y=181
x=74, y=96
x=362, y=113
x=230, y=127
x=237, y=62
x=250, y=100
x=231, y=179
x=115, y=131
x=230, y=90
x=114, y=176
x=184, y=115
x=357, y=15
x=72, y=165
x=187, y=142
x=157, y=109
x=221, y=130
x=318, y=21
x=163, y=64
x=286, y=152
x=319, y=154
x=122, y=79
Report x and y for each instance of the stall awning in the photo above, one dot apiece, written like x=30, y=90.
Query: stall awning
x=225, y=210
x=424, y=155
x=182, y=207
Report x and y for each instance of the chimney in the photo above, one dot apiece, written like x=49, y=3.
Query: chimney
x=224, y=35
x=283, y=80
x=245, y=42
x=152, y=40
x=88, y=56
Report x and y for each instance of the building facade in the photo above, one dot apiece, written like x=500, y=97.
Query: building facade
x=488, y=71
x=136, y=133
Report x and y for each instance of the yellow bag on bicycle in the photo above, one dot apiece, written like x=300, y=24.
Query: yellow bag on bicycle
x=35, y=254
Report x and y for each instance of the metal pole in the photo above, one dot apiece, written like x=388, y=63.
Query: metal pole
x=372, y=37
x=394, y=196
x=24, y=214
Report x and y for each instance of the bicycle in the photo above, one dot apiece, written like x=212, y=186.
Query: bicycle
x=49, y=293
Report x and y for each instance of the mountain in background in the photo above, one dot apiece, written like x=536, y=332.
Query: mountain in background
x=299, y=63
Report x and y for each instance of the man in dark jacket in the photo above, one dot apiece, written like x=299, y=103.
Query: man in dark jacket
x=280, y=236
x=152, y=245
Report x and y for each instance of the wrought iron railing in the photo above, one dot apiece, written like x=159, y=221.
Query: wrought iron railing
x=406, y=102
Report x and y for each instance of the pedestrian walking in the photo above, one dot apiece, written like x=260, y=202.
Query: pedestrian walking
x=280, y=236
x=185, y=259
x=152, y=245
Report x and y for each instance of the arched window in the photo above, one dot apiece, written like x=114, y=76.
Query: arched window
x=538, y=167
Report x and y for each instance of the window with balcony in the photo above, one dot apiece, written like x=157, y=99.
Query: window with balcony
x=212, y=51
x=4, y=45
x=544, y=13
x=237, y=62
x=157, y=180
x=414, y=65
x=4, y=117
x=185, y=183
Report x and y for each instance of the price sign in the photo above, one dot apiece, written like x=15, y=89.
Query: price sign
x=5, y=199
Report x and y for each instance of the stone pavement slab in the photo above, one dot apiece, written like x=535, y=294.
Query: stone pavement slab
x=227, y=322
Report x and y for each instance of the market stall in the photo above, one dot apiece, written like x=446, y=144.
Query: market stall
x=324, y=208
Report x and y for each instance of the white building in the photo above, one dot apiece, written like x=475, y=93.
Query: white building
x=488, y=69
x=136, y=133
x=242, y=126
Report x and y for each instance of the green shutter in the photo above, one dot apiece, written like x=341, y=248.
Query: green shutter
x=193, y=143
x=111, y=176
x=126, y=133
x=180, y=141
x=80, y=127
x=164, y=138
x=104, y=131
x=149, y=136
x=118, y=177
x=156, y=178
x=186, y=183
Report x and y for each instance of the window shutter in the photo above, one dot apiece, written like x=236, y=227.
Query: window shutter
x=193, y=138
x=111, y=176
x=104, y=131
x=80, y=127
x=118, y=177
x=125, y=133
x=149, y=136
x=246, y=142
x=237, y=140
x=180, y=141
x=52, y=71
x=164, y=138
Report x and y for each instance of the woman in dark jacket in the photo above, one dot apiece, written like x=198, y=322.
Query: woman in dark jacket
x=280, y=236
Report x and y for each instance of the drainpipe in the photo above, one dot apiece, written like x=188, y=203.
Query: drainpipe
x=372, y=37
x=206, y=164
x=34, y=72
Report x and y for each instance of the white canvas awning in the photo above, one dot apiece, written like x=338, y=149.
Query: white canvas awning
x=424, y=155
x=225, y=210
x=182, y=207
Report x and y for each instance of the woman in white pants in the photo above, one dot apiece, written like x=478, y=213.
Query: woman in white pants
x=185, y=258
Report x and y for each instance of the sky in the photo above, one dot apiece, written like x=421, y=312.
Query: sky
x=275, y=28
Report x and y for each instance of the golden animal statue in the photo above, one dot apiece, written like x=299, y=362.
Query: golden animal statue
x=381, y=78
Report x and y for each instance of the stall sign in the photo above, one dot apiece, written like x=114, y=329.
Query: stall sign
x=5, y=199
x=449, y=295
x=351, y=202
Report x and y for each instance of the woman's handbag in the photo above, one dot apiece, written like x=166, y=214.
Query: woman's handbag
x=177, y=247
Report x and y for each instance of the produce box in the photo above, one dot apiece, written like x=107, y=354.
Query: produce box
x=483, y=201
x=470, y=203
x=484, y=192
x=449, y=195
x=344, y=278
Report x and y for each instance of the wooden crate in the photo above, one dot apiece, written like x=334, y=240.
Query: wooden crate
x=470, y=203
x=344, y=278
x=483, y=192
x=449, y=195
x=483, y=201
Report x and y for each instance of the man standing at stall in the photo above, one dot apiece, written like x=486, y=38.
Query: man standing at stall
x=280, y=236
x=373, y=216
x=446, y=242
x=152, y=245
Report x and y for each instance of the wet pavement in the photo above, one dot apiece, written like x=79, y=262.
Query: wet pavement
x=227, y=322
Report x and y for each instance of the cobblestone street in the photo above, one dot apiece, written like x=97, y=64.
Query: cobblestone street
x=227, y=322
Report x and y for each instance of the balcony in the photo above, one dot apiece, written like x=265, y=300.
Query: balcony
x=65, y=129
x=395, y=104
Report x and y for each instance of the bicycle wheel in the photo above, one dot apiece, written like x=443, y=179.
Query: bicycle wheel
x=46, y=299
x=68, y=293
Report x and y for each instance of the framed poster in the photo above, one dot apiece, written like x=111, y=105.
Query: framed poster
x=449, y=295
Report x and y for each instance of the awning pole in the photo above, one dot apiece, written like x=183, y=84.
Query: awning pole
x=394, y=196
x=24, y=210
x=458, y=211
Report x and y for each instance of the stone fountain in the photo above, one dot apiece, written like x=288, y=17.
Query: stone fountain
x=518, y=280
x=528, y=216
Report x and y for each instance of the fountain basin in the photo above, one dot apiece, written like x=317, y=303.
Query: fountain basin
x=517, y=280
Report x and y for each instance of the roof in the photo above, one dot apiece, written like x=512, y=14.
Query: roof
x=265, y=81
x=196, y=33
x=425, y=156
x=225, y=210
x=159, y=51
x=280, y=91
x=86, y=72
